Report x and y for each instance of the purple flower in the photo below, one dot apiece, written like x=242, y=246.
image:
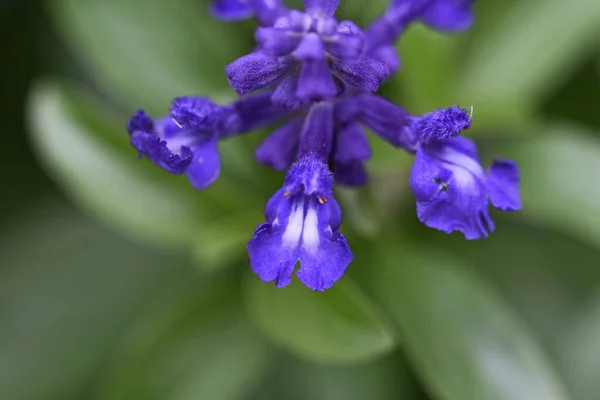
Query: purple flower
x=314, y=78
x=334, y=130
x=303, y=219
x=186, y=141
x=299, y=136
x=266, y=11
x=251, y=112
x=451, y=187
x=383, y=117
x=444, y=15
x=307, y=57
x=443, y=123
x=448, y=15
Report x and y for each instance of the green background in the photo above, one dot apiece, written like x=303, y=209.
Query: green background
x=119, y=281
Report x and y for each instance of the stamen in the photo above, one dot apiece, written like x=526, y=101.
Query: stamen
x=176, y=123
x=322, y=200
x=286, y=194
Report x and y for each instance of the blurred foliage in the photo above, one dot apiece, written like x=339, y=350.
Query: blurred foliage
x=146, y=293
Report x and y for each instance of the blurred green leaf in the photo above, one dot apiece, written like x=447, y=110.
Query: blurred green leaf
x=577, y=99
x=429, y=70
x=534, y=273
x=147, y=54
x=358, y=210
x=558, y=173
x=67, y=290
x=385, y=379
x=552, y=280
x=338, y=325
x=462, y=338
x=356, y=11
x=530, y=50
x=192, y=343
x=100, y=180
x=98, y=169
x=581, y=350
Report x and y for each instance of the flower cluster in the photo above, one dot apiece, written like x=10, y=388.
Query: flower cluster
x=316, y=77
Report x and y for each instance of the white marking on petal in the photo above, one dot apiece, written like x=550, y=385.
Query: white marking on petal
x=320, y=25
x=464, y=179
x=314, y=182
x=310, y=234
x=307, y=22
x=464, y=168
x=174, y=144
x=293, y=230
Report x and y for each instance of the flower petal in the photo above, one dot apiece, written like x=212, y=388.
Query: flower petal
x=230, y=10
x=206, y=163
x=276, y=41
x=317, y=131
x=351, y=144
x=316, y=82
x=427, y=179
x=449, y=15
x=309, y=175
x=255, y=111
x=385, y=30
x=441, y=124
x=268, y=258
x=324, y=254
x=458, y=152
x=335, y=216
x=351, y=174
x=383, y=117
x=193, y=112
x=273, y=250
x=256, y=71
x=387, y=55
x=140, y=121
x=274, y=204
x=503, y=185
x=322, y=8
x=268, y=11
x=311, y=48
x=449, y=197
x=279, y=149
x=348, y=42
x=157, y=151
x=364, y=73
x=285, y=93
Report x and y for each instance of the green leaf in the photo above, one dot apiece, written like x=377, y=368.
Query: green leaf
x=581, y=349
x=384, y=379
x=429, y=69
x=192, y=343
x=546, y=294
x=338, y=325
x=147, y=54
x=553, y=281
x=527, y=53
x=356, y=11
x=106, y=184
x=96, y=166
x=462, y=338
x=68, y=289
x=558, y=171
x=358, y=211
